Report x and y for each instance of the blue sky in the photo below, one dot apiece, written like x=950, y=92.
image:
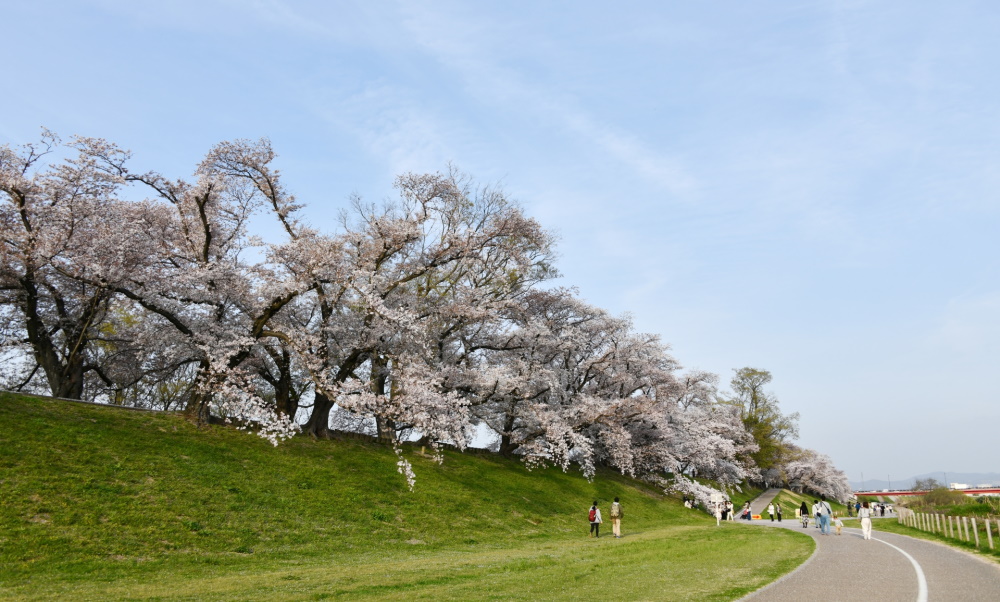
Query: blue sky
x=805, y=187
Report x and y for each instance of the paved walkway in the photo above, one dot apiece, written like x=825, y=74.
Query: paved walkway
x=759, y=504
x=889, y=567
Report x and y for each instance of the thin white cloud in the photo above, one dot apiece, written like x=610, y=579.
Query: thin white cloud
x=470, y=49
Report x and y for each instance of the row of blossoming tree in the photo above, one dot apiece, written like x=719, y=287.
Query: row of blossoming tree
x=421, y=318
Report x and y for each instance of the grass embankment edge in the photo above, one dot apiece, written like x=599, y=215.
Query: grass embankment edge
x=99, y=503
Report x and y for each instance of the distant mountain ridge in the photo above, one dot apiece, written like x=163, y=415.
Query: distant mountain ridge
x=971, y=479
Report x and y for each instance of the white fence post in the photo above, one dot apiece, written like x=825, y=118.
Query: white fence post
x=937, y=523
x=951, y=529
x=965, y=525
x=975, y=531
x=989, y=533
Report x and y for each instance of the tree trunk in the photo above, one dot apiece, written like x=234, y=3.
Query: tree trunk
x=287, y=403
x=507, y=445
x=198, y=408
x=386, y=427
x=319, y=421
x=70, y=385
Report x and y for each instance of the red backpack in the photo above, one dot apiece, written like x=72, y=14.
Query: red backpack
x=593, y=514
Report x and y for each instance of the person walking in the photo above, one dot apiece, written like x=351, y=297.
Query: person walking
x=616, y=519
x=804, y=515
x=595, y=520
x=777, y=509
x=865, y=514
x=770, y=511
x=730, y=510
x=815, y=512
x=824, y=516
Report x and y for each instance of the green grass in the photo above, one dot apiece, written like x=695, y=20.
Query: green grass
x=101, y=503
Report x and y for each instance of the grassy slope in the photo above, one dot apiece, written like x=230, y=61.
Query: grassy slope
x=103, y=503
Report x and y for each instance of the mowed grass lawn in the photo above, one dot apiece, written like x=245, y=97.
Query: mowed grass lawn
x=105, y=504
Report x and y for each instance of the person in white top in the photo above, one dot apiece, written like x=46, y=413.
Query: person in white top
x=770, y=511
x=865, y=514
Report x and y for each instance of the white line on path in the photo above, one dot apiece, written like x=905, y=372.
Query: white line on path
x=921, y=580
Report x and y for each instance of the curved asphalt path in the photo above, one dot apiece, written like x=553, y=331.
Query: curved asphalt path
x=889, y=567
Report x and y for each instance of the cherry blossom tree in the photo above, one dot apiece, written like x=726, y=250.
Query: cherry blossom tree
x=815, y=472
x=50, y=218
x=422, y=317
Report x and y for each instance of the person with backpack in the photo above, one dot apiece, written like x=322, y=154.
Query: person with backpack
x=824, y=516
x=616, y=519
x=594, y=516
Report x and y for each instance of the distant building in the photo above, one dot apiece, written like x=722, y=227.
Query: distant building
x=958, y=486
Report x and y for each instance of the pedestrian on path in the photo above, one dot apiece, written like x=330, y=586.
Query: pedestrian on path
x=865, y=514
x=595, y=520
x=824, y=516
x=837, y=524
x=616, y=519
x=770, y=511
x=804, y=515
x=777, y=508
x=730, y=511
